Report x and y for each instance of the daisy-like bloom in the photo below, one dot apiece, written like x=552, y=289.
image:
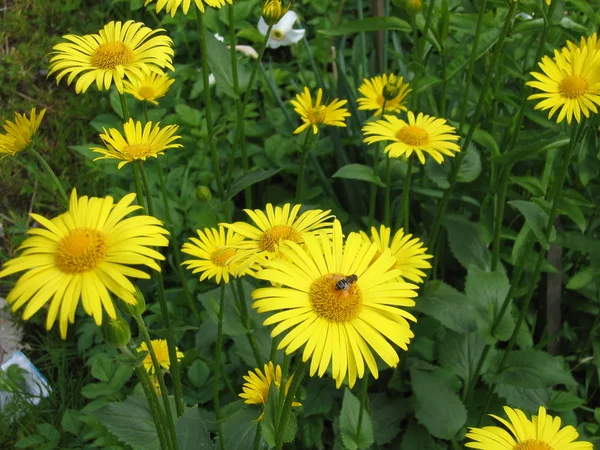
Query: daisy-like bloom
x=273, y=11
x=542, y=432
x=331, y=299
x=409, y=252
x=591, y=41
x=373, y=98
x=422, y=134
x=138, y=142
x=282, y=32
x=570, y=82
x=213, y=253
x=316, y=114
x=274, y=228
x=256, y=387
x=84, y=254
x=161, y=349
x=120, y=50
x=149, y=88
x=19, y=133
x=171, y=6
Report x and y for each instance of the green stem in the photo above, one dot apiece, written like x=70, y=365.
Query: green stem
x=281, y=399
x=48, y=169
x=300, y=182
x=245, y=318
x=388, y=191
x=161, y=380
x=124, y=107
x=138, y=186
x=208, y=104
x=405, y=211
x=501, y=202
x=363, y=404
x=257, y=435
x=441, y=210
x=287, y=406
x=217, y=378
x=376, y=158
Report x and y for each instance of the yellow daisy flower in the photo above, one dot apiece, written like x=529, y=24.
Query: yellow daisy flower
x=409, y=252
x=542, y=432
x=161, y=350
x=275, y=227
x=213, y=252
x=256, y=388
x=139, y=143
x=316, y=114
x=120, y=50
x=171, y=6
x=149, y=88
x=423, y=134
x=84, y=254
x=372, y=90
x=334, y=302
x=19, y=133
x=591, y=41
x=570, y=82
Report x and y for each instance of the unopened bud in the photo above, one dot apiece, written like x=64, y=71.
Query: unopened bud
x=390, y=91
x=116, y=332
x=414, y=6
x=273, y=10
x=139, y=307
x=203, y=194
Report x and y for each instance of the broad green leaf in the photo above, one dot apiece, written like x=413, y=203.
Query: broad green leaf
x=198, y=373
x=417, y=437
x=530, y=184
x=70, y=421
x=240, y=428
x=358, y=172
x=531, y=150
x=469, y=170
x=103, y=368
x=387, y=414
x=269, y=422
x=352, y=439
x=369, y=24
x=34, y=440
x=487, y=141
x=311, y=432
x=523, y=398
x=460, y=354
x=578, y=242
x=448, y=306
x=252, y=177
x=583, y=277
x=437, y=406
x=191, y=432
x=319, y=397
x=219, y=61
x=468, y=242
x=565, y=402
x=535, y=217
x=188, y=115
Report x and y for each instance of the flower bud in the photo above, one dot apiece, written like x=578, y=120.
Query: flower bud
x=139, y=308
x=414, y=6
x=203, y=194
x=116, y=332
x=273, y=11
x=390, y=91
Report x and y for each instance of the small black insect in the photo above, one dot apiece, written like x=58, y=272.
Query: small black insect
x=346, y=282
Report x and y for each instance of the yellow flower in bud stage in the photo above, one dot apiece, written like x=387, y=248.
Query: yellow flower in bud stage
x=273, y=10
x=138, y=142
x=388, y=88
x=19, y=133
x=119, y=51
x=258, y=383
x=149, y=88
x=171, y=6
x=414, y=6
x=542, y=432
x=315, y=114
x=161, y=349
x=84, y=255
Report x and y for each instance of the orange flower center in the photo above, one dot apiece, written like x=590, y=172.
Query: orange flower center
x=138, y=151
x=271, y=237
x=277, y=35
x=532, y=445
x=316, y=114
x=81, y=250
x=221, y=256
x=112, y=54
x=573, y=86
x=333, y=304
x=413, y=136
x=147, y=92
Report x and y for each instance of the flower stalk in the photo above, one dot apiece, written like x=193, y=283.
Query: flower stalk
x=48, y=169
x=217, y=378
x=300, y=182
x=287, y=406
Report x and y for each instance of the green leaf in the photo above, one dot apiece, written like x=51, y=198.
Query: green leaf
x=565, y=402
x=188, y=115
x=387, y=414
x=352, y=437
x=34, y=440
x=70, y=421
x=103, y=368
x=584, y=277
x=523, y=398
x=577, y=241
x=468, y=242
x=486, y=140
x=470, y=168
x=437, y=407
x=219, y=61
x=252, y=177
x=270, y=419
x=460, y=353
x=369, y=24
x=191, y=431
x=198, y=373
x=448, y=306
x=319, y=397
x=311, y=432
x=526, y=151
x=535, y=217
x=358, y=172
x=418, y=438
x=131, y=421
x=240, y=429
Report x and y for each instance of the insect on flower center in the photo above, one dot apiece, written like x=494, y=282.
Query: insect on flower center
x=332, y=304
x=412, y=135
x=278, y=35
x=573, y=86
x=531, y=444
x=221, y=256
x=271, y=237
x=112, y=54
x=138, y=151
x=81, y=250
x=316, y=114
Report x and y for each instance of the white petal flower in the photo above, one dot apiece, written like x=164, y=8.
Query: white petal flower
x=282, y=32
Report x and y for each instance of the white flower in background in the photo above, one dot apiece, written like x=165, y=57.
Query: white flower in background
x=218, y=37
x=282, y=32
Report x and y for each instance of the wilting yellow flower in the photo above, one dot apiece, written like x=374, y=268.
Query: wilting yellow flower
x=139, y=143
x=120, y=50
x=334, y=302
x=161, y=349
x=423, y=134
x=19, y=133
x=214, y=252
x=409, y=252
x=171, y=6
x=273, y=10
x=149, y=88
x=373, y=98
x=542, y=432
x=84, y=254
x=316, y=114
x=273, y=229
x=256, y=388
